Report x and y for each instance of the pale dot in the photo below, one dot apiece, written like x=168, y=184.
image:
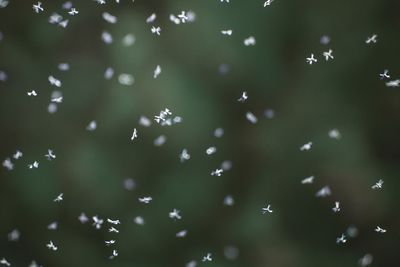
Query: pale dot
x=109, y=73
x=226, y=165
x=52, y=108
x=128, y=40
x=231, y=252
x=139, y=220
x=223, y=69
x=3, y=76
x=219, y=132
x=126, y=79
x=325, y=40
x=129, y=184
x=269, y=113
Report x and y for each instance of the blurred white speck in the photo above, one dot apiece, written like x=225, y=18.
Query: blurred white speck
x=63, y=66
x=323, y=192
x=334, y=134
x=306, y=146
x=325, y=39
x=269, y=113
x=151, y=18
x=157, y=72
x=83, y=218
x=250, y=41
x=211, y=150
x=126, y=79
x=129, y=184
x=231, y=252
x=251, y=117
x=138, y=220
x=226, y=165
x=109, y=73
x=14, y=235
x=52, y=226
x=54, y=81
x=3, y=76
x=191, y=264
x=352, y=231
x=144, y=121
x=159, y=141
x=181, y=234
x=106, y=37
x=223, y=69
x=184, y=155
x=91, y=126
x=365, y=260
x=308, y=180
x=109, y=18
x=52, y=108
x=229, y=201
x=128, y=40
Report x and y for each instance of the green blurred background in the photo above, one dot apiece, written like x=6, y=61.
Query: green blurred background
x=267, y=165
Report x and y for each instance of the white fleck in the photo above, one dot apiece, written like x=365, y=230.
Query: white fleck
x=231, y=252
x=138, y=220
x=328, y=54
x=336, y=208
x=372, y=39
x=113, y=230
x=251, y=117
x=181, y=234
x=145, y=200
x=323, y=192
x=365, y=260
x=144, y=121
x=38, y=7
x=334, y=134
x=384, y=75
x=32, y=93
x=50, y=155
x=229, y=201
x=8, y=164
x=109, y=18
x=342, y=239
x=3, y=75
x=134, y=134
x=54, y=81
x=267, y=209
x=5, y=262
x=217, y=172
x=394, y=83
x=310, y=60
x=191, y=264
x=243, y=97
x=106, y=37
x=268, y=3
x=115, y=222
x=83, y=218
x=227, y=32
x=91, y=126
x=208, y=257
x=34, y=165
x=59, y=198
x=51, y=246
x=183, y=17
x=73, y=11
x=325, y=39
x=211, y=150
x=52, y=226
x=184, y=155
x=175, y=214
x=18, y=154
x=151, y=18
x=159, y=141
x=97, y=222
x=308, y=180
x=306, y=146
x=157, y=72
x=250, y=41
x=219, y=132
x=378, y=229
x=129, y=184
x=14, y=235
x=109, y=73
x=110, y=242
x=126, y=79
x=378, y=185
x=156, y=30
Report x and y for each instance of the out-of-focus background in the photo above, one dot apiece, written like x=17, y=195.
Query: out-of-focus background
x=203, y=75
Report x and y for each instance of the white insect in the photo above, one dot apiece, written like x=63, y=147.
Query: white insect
x=97, y=222
x=5, y=262
x=175, y=214
x=372, y=39
x=227, y=32
x=59, y=198
x=34, y=165
x=106, y=37
x=384, y=75
x=380, y=230
x=183, y=17
x=8, y=164
x=151, y=18
x=145, y=200
x=91, y=126
x=342, y=239
x=52, y=226
x=138, y=220
x=50, y=155
x=83, y=218
x=336, y=208
x=73, y=11
x=110, y=242
x=57, y=99
x=251, y=117
x=306, y=146
x=109, y=18
x=14, y=235
x=54, y=81
x=208, y=257
x=308, y=180
x=334, y=134
x=243, y=97
x=268, y=3
x=174, y=19
x=156, y=30
x=162, y=116
x=51, y=246
x=32, y=93
x=310, y=60
x=114, y=254
x=38, y=7
x=250, y=41
x=113, y=230
x=184, y=156
x=181, y=234
x=134, y=134
x=323, y=192
x=378, y=185
x=229, y=201
x=115, y=222
x=217, y=172
x=227, y=1
x=18, y=154
x=211, y=150
x=328, y=55
x=394, y=83
x=157, y=72
x=267, y=209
